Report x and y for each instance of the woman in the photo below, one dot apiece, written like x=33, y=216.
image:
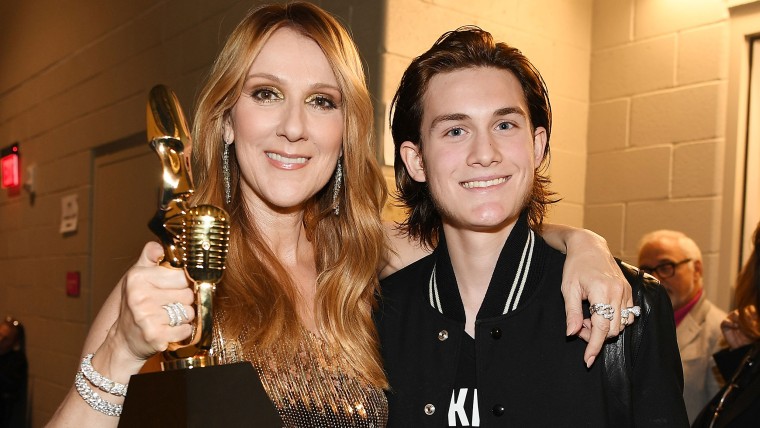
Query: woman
x=287, y=98
x=738, y=403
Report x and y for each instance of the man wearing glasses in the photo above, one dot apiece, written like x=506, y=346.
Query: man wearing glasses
x=675, y=260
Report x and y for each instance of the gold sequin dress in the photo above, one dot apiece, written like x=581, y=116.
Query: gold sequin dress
x=314, y=387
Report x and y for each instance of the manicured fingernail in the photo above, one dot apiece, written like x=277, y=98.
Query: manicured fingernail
x=590, y=361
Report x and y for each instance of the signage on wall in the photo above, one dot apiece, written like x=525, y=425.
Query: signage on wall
x=9, y=167
x=69, y=213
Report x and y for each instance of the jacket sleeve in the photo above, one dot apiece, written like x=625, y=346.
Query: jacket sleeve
x=654, y=360
x=728, y=360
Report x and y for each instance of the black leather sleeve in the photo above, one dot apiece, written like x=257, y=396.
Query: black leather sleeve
x=643, y=365
x=728, y=360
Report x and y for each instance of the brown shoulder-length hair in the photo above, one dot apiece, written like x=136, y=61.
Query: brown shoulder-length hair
x=466, y=47
x=257, y=295
x=748, y=291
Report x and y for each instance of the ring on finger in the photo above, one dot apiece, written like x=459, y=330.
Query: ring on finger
x=175, y=316
x=635, y=310
x=626, y=312
x=179, y=308
x=604, y=309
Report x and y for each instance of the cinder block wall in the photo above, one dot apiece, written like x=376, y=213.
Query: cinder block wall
x=657, y=124
x=554, y=34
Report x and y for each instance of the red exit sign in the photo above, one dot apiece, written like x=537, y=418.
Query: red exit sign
x=9, y=167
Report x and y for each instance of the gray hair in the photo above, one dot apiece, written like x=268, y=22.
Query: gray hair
x=689, y=247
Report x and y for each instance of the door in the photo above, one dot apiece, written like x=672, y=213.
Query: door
x=751, y=206
x=126, y=180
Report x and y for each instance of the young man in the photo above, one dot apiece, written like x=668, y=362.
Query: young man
x=472, y=335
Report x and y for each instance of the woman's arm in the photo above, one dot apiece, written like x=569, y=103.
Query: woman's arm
x=130, y=327
x=402, y=251
x=732, y=332
x=592, y=274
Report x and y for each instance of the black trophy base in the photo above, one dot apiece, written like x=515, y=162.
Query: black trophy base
x=228, y=395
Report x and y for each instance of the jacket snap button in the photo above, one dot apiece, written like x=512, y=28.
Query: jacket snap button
x=442, y=335
x=498, y=410
x=496, y=333
x=429, y=409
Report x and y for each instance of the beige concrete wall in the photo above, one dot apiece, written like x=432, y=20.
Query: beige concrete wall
x=554, y=34
x=657, y=125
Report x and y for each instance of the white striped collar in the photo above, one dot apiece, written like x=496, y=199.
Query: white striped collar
x=515, y=291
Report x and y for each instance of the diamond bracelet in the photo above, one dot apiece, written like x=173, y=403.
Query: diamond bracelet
x=102, y=382
x=93, y=399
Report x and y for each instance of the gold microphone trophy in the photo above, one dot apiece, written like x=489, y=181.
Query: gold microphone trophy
x=192, y=390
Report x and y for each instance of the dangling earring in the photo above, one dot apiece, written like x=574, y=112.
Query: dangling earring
x=226, y=172
x=336, y=186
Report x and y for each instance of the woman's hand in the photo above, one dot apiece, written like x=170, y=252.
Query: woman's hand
x=143, y=323
x=142, y=327
x=732, y=331
x=590, y=273
x=131, y=326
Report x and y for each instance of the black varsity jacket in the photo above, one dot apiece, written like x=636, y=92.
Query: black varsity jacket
x=528, y=373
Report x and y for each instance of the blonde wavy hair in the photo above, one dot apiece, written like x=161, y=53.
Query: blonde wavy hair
x=257, y=296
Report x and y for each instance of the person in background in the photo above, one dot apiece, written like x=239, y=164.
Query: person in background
x=13, y=374
x=471, y=334
x=675, y=260
x=737, y=404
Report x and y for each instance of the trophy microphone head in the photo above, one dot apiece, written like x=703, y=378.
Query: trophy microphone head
x=205, y=241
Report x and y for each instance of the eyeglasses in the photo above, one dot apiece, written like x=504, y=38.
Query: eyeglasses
x=664, y=270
